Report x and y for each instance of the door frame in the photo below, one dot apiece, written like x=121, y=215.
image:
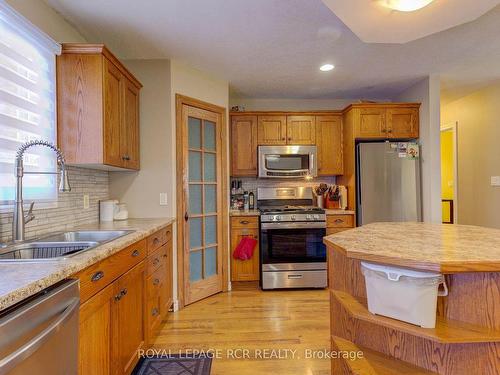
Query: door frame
x=181, y=100
x=453, y=127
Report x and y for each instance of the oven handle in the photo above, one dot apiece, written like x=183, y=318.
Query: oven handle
x=292, y=225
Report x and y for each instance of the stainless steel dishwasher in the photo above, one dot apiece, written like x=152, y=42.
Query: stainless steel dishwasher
x=40, y=335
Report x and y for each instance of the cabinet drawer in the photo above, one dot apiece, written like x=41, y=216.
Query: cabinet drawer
x=153, y=316
x=156, y=282
x=340, y=221
x=156, y=240
x=157, y=259
x=99, y=275
x=245, y=222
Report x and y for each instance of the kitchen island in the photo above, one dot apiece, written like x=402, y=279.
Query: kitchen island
x=466, y=339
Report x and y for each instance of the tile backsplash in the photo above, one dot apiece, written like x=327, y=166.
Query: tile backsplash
x=251, y=183
x=69, y=211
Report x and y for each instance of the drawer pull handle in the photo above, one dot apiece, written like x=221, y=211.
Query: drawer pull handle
x=156, y=261
x=168, y=232
x=118, y=297
x=135, y=253
x=339, y=220
x=244, y=222
x=97, y=276
x=156, y=281
x=164, y=255
x=295, y=276
x=124, y=291
x=155, y=311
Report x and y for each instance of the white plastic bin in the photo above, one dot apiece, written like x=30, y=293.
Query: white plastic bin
x=407, y=295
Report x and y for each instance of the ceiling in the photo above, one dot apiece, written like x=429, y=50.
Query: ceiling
x=273, y=48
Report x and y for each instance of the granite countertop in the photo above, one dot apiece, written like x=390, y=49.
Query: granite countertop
x=244, y=213
x=23, y=279
x=339, y=212
x=441, y=248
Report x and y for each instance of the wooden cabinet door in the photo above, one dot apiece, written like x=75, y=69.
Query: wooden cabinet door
x=244, y=270
x=402, y=122
x=244, y=146
x=127, y=319
x=95, y=334
x=301, y=130
x=129, y=131
x=113, y=88
x=329, y=143
x=271, y=130
x=166, y=295
x=372, y=123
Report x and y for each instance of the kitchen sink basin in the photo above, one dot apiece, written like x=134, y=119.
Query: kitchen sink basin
x=86, y=235
x=57, y=246
x=36, y=251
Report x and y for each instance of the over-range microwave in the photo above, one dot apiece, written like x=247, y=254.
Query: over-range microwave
x=287, y=161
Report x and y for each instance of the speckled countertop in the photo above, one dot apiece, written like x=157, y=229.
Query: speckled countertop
x=430, y=247
x=22, y=279
x=244, y=213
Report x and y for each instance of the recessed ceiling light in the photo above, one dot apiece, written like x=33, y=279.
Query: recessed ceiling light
x=405, y=5
x=326, y=67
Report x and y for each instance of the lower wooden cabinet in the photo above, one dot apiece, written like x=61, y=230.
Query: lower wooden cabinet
x=122, y=316
x=244, y=270
x=339, y=222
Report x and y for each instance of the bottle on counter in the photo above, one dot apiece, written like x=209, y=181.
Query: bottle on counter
x=246, y=199
x=251, y=201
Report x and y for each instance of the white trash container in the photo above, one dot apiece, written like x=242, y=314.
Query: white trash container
x=399, y=293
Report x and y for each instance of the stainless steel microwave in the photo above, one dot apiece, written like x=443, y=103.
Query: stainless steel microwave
x=287, y=161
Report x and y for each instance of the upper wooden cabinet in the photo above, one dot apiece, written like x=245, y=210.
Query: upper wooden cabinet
x=97, y=108
x=385, y=121
x=244, y=145
x=300, y=130
x=329, y=142
x=271, y=130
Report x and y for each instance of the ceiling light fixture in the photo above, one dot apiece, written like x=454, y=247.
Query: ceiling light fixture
x=405, y=5
x=326, y=67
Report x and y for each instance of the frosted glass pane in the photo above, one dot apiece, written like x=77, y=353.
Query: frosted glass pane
x=194, y=166
x=194, y=132
x=210, y=199
x=195, y=260
x=210, y=230
x=210, y=167
x=209, y=136
x=194, y=232
x=195, y=199
x=210, y=261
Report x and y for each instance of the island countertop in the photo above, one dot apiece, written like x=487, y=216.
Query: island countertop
x=20, y=280
x=444, y=248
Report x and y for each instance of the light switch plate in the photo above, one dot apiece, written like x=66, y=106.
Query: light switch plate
x=86, y=201
x=163, y=199
x=495, y=180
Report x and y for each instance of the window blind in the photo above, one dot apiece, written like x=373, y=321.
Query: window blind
x=27, y=104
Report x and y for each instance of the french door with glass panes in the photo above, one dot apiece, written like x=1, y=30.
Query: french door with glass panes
x=202, y=184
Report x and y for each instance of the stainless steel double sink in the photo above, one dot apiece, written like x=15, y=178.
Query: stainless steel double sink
x=58, y=246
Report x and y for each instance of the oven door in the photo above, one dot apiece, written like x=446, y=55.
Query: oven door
x=287, y=161
x=288, y=245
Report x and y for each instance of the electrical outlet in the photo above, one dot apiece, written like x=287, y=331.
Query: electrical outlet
x=495, y=180
x=86, y=201
x=163, y=199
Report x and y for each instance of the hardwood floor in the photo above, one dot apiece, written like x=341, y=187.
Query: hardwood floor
x=260, y=323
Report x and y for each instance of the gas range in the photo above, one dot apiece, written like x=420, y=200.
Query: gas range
x=291, y=239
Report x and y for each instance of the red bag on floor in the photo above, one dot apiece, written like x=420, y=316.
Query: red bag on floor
x=245, y=249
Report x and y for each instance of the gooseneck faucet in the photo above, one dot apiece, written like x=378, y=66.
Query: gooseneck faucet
x=20, y=219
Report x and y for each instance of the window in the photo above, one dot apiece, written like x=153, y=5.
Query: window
x=27, y=105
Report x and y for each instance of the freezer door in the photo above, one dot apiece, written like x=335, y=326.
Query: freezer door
x=388, y=186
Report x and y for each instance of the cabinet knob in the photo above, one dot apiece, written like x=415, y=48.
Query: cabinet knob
x=283, y=139
x=124, y=292
x=155, y=311
x=339, y=220
x=126, y=157
x=156, y=281
x=118, y=297
x=97, y=276
x=245, y=222
x=135, y=253
x=289, y=138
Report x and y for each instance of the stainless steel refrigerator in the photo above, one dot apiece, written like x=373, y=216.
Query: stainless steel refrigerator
x=387, y=182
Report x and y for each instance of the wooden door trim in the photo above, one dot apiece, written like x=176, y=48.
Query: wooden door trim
x=181, y=100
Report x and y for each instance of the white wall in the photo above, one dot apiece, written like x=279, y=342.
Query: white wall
x=141, y=190
x=477, y=116
x=48, y=20
x=427, y=92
